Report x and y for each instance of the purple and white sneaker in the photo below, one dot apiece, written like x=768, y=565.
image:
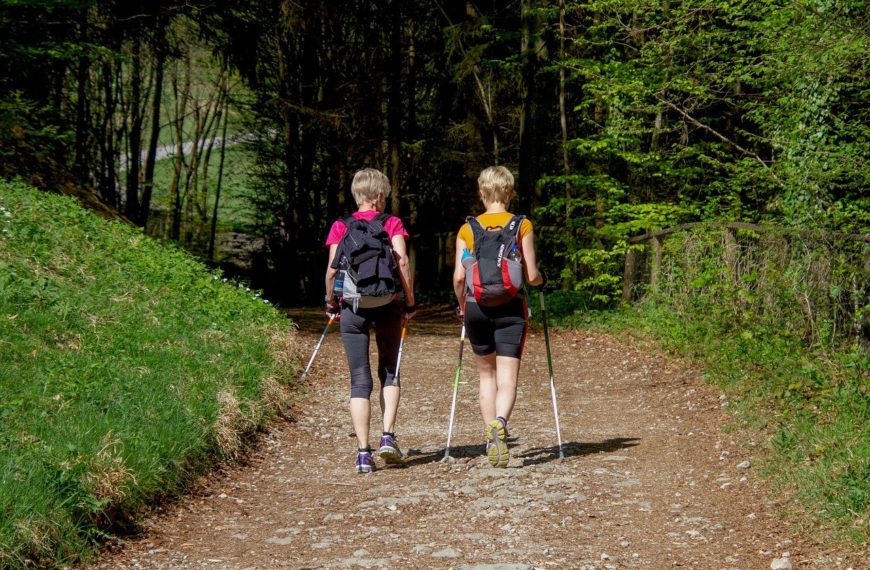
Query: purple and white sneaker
x=365, y=463
x=389, y=450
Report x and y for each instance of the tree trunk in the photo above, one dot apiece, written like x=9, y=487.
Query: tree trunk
x=134, y=137
x=217, y=191
x=157, y=97
x=563, y=116
x=394, y=114
x=80, y=161
x=108, y=182
x=527, y=166
x=175, y=202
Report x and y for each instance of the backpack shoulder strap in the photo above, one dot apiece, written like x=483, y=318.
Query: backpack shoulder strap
x=376, y=227
x=341, y=252
x=514, y=224
x=380, y=224
x=477, y=230
x=473, y=222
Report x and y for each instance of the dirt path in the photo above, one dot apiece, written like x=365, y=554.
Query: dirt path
x=651, y=479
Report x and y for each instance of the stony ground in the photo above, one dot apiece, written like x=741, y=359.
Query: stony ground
x=652, y=477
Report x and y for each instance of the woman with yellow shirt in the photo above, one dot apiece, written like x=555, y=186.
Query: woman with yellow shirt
x=496, y=330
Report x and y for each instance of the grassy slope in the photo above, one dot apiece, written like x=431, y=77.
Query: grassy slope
x=125, y=366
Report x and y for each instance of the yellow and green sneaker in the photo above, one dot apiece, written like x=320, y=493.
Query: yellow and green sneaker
x=496, y=446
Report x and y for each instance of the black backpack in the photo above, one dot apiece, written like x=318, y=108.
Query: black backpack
x=367, y=269
x=495, y=274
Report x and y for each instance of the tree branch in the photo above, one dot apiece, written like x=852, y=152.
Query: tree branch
x=721, y=137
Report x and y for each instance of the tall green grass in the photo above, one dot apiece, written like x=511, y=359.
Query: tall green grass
x=125, y=367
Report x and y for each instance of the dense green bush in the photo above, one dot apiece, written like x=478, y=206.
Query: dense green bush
x=125, y=367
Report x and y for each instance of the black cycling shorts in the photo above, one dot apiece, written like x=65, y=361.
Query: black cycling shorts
x=499, y=329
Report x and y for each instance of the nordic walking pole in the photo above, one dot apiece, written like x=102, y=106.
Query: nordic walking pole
x=455, y=391
x=317, y=347
x=401, y=347
x=552, y=378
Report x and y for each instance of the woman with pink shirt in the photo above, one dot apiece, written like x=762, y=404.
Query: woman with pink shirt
x=383, y=315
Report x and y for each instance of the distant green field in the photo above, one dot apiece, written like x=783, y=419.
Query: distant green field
x=233, y=211
x=125, y=368
x=233, y=214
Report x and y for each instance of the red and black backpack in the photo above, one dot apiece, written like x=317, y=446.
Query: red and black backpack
x=495, y=276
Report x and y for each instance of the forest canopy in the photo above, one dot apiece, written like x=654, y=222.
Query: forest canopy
x=617, y=118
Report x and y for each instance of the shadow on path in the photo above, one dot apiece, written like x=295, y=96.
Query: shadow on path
x=532, y=456
x=538, y=455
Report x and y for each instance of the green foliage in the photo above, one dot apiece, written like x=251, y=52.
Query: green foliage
x=711, y=110
x=124, y=367
x=601, y=270
x=809, y=285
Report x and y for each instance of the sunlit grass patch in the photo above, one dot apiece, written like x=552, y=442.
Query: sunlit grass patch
x=125, y=368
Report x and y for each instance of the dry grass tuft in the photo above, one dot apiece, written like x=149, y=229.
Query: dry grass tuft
x=108, y=478
x=276, y=396
x=284, y=346
x=227, y=426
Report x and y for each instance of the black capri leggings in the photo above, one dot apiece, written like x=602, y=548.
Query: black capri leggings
x=355, y=328
x=499, y=329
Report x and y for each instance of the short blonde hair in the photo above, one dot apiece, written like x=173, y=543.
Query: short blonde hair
x=367, y=184
x=496, y=184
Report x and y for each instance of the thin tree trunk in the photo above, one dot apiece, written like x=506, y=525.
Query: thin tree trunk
x=563, y=116
x=175, y=202
x=289, y=125
x=108, y=183
x=217, y=192
x=214, y=109
x=394, y=115
x=527, y=174
x=211, y=134
x=157, y=97
x=134, y=138
x=412, y=178
x=80, y=162
x=563, y=123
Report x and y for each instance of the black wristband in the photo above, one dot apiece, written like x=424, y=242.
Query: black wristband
x=410, y=308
